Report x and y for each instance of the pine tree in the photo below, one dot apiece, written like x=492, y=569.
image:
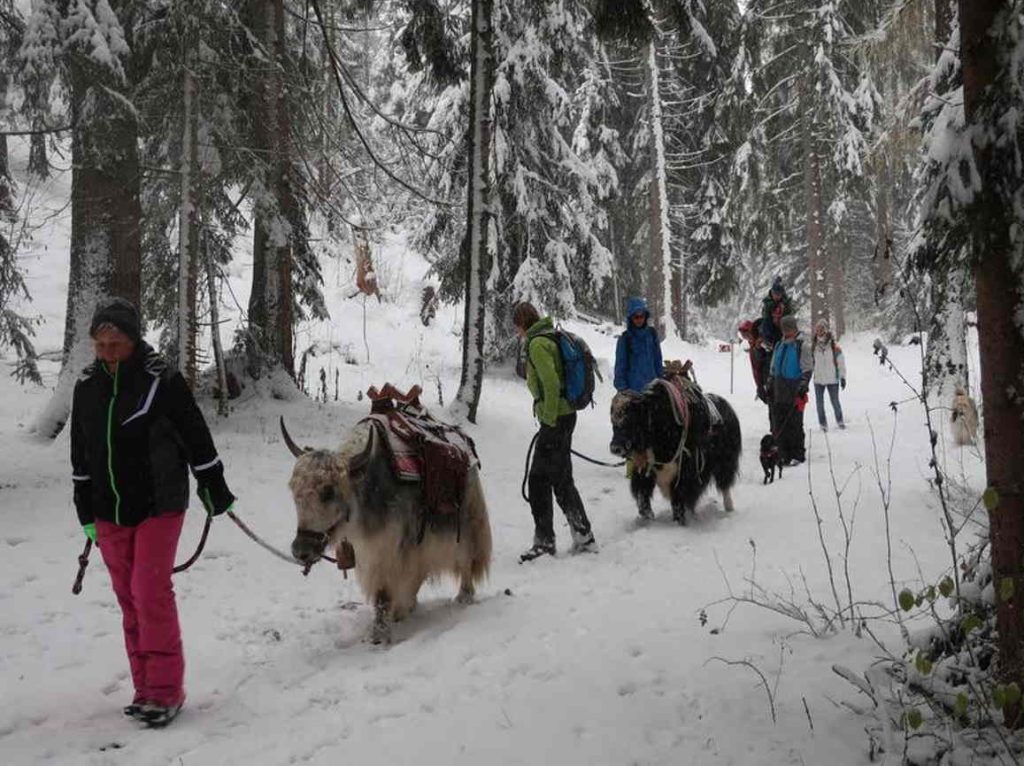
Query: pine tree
x=92, y=46
x=988, y=211
x=477, y=247
x=945, y=364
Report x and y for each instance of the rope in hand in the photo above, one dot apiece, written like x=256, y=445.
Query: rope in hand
x=83, y=557
x=529, y=458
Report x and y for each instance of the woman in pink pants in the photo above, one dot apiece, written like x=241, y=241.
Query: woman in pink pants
x=135, y=430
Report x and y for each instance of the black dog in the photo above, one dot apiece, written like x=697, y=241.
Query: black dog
x=770, y=459
x=644, y=428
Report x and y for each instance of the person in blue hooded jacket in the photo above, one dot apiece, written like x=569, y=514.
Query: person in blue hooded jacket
x=638, y=352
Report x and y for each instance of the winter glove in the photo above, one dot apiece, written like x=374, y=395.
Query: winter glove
x=842, y=383
x=801, y=390
x=214, y=493
x=90, y=531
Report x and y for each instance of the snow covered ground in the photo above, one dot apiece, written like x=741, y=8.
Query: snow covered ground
x=596, y=659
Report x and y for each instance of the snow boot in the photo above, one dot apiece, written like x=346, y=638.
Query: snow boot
x=583, y=543
x=158, y=716
x=537, y=550
x=133, y=710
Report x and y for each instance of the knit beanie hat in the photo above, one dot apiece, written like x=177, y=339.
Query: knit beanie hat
x=822, y=325
x=777, y=286
x=788, y=323
x=122, y=314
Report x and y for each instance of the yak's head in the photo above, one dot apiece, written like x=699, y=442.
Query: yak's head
x=631, y=423
x=320, y=488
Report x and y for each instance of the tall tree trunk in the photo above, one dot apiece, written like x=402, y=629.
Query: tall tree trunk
x=188, y=229
x=218, y=351
x=836, y=287
x=477, y=246
x=106, y=215
x=6, y=194
x=881, y=263
x=661, y=270
x=38, y=163
x=270, y=301
x=945, y=363
x=816, y=255
x=1000, y=292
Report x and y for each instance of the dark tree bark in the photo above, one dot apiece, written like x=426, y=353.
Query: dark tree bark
x=816, y=256
x=270, y=301
x=476, y=248
x=999, y=295
x=38, y=162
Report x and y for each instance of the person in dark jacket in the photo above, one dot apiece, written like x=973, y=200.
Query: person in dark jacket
x=638, y=352
x=774, y=306
x=551, y=469
x=792, y=365
x=760, y=361
x=760, y=358
x=135, y=430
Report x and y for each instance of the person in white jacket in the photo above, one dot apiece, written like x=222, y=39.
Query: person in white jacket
x=829, y=372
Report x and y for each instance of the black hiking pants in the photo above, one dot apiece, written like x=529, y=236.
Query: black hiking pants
x=788, y=425
x=551, y=472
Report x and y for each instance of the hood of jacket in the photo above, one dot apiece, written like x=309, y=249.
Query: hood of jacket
x=636, y=305
x=541, y=326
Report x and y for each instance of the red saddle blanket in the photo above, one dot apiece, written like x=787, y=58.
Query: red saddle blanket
x=424, y=449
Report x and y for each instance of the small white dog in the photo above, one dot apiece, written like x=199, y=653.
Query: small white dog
x=963, y=419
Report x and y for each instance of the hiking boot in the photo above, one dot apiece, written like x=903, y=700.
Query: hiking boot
x=583, y=543
x=842, y=426
x=133, y=710
x=537, y=550
x=157, y=716
x=824, y=427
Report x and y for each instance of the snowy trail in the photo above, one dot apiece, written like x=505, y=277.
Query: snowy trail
x=586, y=659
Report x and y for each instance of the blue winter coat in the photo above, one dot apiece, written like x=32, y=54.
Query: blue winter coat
x=638, y=352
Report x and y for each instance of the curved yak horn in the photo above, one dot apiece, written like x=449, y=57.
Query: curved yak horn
x=294, y=448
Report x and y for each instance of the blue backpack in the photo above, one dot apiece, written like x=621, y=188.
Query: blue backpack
x=578, y=368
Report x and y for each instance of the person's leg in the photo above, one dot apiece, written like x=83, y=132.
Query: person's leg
x=156, y=542
x=837, y=408
x=780, y=411
x=117, y=547
x=791, y=444
x=540, y=486
x=797, y=436
x=819, y=401
x=566, y=494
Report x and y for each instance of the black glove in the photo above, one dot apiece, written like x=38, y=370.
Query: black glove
x=801, y=390
x=214, y=493
x=842, y=383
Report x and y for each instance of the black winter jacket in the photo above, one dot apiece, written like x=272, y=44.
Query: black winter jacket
x=133, y=435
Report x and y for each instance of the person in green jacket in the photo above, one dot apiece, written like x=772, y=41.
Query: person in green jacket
x=551, y=470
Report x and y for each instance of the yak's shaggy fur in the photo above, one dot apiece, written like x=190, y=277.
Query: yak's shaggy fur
x=644, y=430
x=352, y=494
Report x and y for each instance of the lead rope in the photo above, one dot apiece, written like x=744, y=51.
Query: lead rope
x=83, y=557
x=581, y=456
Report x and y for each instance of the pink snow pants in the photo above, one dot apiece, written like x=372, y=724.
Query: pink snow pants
x=140, y=560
